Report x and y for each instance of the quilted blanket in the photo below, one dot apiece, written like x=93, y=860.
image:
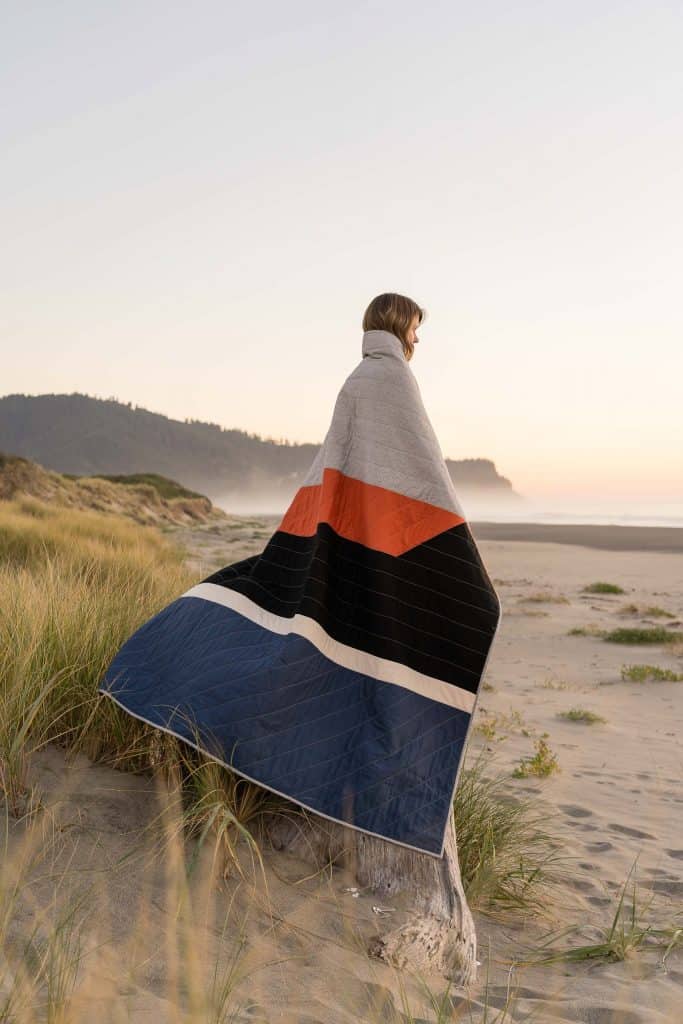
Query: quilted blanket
x=339, y=666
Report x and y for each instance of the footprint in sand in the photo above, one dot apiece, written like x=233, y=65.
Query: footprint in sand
x=599, y=847
x=609, y=1015
x=580, y=884
x=635, y=832
x=676, y=854
x=575, y=812
x=669, y=887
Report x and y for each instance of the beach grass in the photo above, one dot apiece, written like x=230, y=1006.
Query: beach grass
x=641, y=673
x=601, y=587
x=654, y=611
x=543, y=763
x=74, y=585
x=545, y=596
x=627, y=932
x=630, y=635
x=654, y=635
x=207, y=959
x=507, y=854
x=581, y=715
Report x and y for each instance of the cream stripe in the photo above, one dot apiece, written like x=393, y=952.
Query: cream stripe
x=341, y=654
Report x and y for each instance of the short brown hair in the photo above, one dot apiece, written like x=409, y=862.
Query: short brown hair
x=393, y=313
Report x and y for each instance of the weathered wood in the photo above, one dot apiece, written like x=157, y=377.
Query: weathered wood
x=438, y=933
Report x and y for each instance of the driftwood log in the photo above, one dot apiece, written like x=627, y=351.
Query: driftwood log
x=438, y=933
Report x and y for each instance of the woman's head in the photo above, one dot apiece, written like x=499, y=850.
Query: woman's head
x=397, y=314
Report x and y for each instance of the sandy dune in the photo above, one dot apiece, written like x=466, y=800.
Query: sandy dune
x=618, y=796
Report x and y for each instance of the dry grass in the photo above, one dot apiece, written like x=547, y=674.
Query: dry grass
x=74, y=585
x=545, y=597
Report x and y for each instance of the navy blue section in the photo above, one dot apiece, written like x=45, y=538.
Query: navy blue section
x=342, y=743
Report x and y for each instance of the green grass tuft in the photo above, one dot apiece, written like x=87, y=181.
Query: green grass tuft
x=626, y=934
x=603, y=588
x=641, y=673
x=544, y=762
x=654, y=635
x=504, y=849
x=581, y=715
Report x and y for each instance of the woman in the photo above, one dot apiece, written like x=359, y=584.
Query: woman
x=339, y=667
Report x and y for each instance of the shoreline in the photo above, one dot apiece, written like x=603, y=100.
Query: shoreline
x=668, y=539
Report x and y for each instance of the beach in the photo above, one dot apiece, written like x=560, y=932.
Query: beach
x=668, y=539
x=615, y=802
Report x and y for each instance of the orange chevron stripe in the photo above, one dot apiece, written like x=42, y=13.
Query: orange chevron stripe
x=374, y=516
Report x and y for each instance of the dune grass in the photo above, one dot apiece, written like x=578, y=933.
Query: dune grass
x=581, y=715
x=602, y=588
x=543, y=763
x=641, y=673
x=630, y=635
x=653, y=610
x=73, y=586
x=166, y=487
x=626, y=933
x=654, y=635
x=508, y=858
x=545, y=596
x=208, y=950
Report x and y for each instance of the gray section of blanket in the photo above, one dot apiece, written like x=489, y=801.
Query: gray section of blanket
x=380, y=432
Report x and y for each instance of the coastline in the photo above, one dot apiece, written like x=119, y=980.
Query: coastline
x=591, y=535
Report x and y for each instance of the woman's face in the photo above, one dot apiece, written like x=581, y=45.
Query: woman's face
x=412, y=336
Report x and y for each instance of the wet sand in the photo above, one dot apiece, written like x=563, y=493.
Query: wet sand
x=606, y=537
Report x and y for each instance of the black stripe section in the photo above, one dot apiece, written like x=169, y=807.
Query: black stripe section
x=432, y=608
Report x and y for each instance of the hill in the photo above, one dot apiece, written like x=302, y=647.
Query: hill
x=82, y=435
x=149, y=500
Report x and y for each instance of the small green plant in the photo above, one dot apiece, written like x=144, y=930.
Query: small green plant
x=626, y=933
x=586, y=631
x=656, y=635
x=581, y=715
x=544, y=762
x=603, y=588
x=641, y=673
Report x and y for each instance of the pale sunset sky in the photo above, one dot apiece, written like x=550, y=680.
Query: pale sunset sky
x=199, y=200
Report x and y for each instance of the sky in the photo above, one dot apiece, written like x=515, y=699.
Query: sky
x=199, y=201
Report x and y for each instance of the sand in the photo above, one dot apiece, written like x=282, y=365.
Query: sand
x=618, y=796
